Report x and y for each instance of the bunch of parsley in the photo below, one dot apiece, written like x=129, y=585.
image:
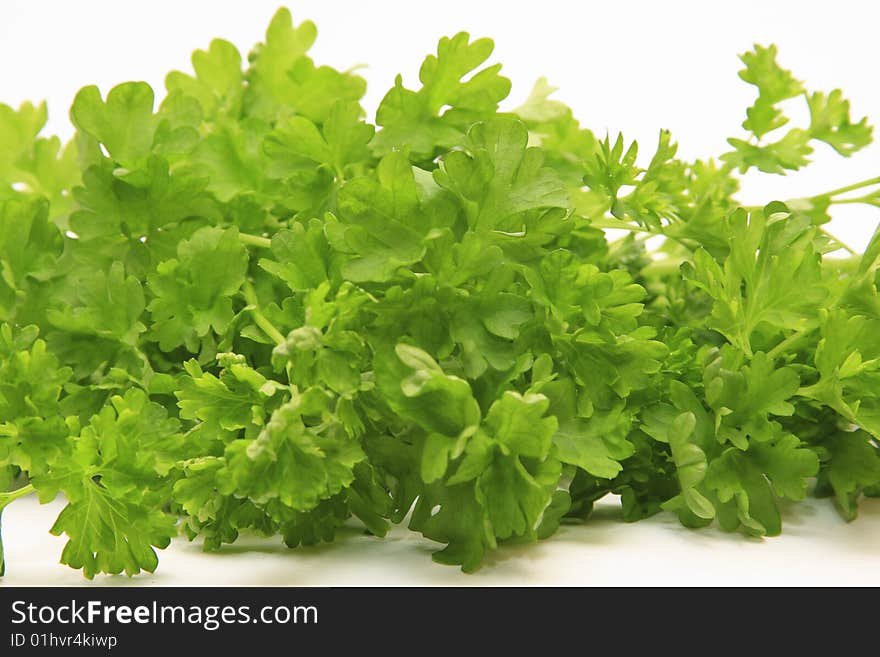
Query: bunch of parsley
x=252, y=310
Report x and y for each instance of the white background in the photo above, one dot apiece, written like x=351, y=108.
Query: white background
x=633, y=67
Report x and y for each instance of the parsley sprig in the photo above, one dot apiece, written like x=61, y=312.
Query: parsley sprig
x=248, y=309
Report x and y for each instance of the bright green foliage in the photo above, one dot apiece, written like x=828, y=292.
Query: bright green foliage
x=244, y=308
x=295, y=463
x=33, y=433
x=30, y=164
x=829, y=120
x=435, y=117
x=29, y=247
x=284, y=81
x=192, y=293
x=115, y=478
x=770, y=281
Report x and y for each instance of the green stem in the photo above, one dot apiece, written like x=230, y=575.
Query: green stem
x=618, y=225
x=11, y=496
x=255, y=240
x=787, y=342
x=250, y=297
x=810, y=392
x=843, y=245
x=5, y=499
x=848, y=188
x=858, y=199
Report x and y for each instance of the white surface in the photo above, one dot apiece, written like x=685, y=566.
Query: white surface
x=817, y=548
x=629, y=66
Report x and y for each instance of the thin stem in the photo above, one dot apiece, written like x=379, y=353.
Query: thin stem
x=810, y=392
x=255, y=240
x=848, y=188
x=858, y=199
x=11, y=496
x=788, y=342
x=7, y=498
x=250, y=297
x=843, y=245
x=618, y=225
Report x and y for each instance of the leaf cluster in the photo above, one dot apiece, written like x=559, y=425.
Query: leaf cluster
x=245, y=308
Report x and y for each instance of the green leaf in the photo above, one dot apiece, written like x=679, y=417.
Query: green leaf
x=29, y=247
x=788, y=153
x=109, y=305
x=341, y=142
x=742, y=487
x=436, y=116
x=301, y=256
x=853, y=467
x=230, y=402
x=124, y=124
x=193, y=291
x=416, y=388
x=459, y=522
x=33, y=431
x=597, y=444
x=18, y=130
x=787, y=464
x=112, y=482
x=283, y=81
x=774, y=84
x=290, y=461
x=513, y=497
x=830, y=122
x=107, y=535
x=744, y=400
x=380, y=222
x=218, y=81
x=770, y=281
x=501, y=176
x=847, y=358
x=518, y=422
